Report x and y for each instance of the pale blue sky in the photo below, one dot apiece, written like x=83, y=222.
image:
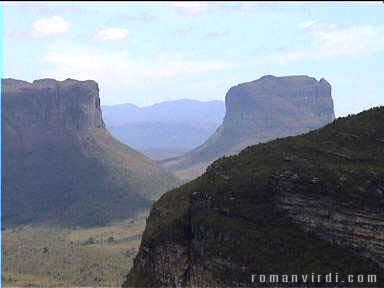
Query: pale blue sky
x=145, y=53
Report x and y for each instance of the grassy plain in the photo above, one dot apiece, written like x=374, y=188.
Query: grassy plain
x=50, y=256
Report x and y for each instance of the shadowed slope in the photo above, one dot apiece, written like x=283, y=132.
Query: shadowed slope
x=60, y=164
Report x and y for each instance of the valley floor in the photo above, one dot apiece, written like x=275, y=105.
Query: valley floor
x=52, y=256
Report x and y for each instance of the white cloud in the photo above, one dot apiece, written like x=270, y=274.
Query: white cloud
x=308, y=23
x=217, y=34
x=192, y=8
x=89, y=63
x=50, y=26
x=111, y=34
x=331, y=40
x=117, y=72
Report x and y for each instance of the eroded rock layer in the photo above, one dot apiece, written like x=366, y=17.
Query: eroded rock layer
x=313, y=203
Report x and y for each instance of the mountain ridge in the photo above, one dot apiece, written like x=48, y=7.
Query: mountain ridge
x=306, y=204
x=170, y=126
x=62, y=166
x=258, y=111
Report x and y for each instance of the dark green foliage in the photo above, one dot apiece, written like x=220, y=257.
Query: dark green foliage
x=231, y=224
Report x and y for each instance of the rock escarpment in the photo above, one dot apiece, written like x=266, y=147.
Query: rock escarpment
x=259, y=111
x=60, y=164
x=313, y=203
x=50, y=104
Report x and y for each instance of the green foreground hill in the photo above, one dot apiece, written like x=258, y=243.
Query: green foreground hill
x=313, y=203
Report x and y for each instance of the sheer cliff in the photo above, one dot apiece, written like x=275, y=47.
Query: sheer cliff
x=258, y=111
x=60, y=164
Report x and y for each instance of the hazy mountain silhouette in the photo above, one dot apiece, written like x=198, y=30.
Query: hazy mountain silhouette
x=165, y=129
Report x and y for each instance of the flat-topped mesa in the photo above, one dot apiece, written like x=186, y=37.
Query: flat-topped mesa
x=75, y=105
x=259, y=111
x=292, y=102
x=62, y=166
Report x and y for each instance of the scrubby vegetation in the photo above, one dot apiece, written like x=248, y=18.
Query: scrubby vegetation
x=229, y=222
x=51, y=257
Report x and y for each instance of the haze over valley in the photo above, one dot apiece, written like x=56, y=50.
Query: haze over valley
x=166, y=129
x=192, y=144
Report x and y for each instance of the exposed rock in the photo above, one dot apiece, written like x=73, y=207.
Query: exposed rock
x=317, y=213
x=60, y=164
x=258, y=111
x=51, y=104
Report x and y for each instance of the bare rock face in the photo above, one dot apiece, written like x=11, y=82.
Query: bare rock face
x=60, y=163
x=69, y=104
x=290, y=105
x=258, y=111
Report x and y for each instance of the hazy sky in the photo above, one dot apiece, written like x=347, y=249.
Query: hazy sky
x=144, y=53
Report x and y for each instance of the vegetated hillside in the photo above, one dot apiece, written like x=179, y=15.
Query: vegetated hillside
x=166, y=129
x=60, y=164
x=307, y=204
x=260, y=111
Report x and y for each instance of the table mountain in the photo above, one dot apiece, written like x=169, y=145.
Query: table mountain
x=312, y=203
x=60, y=164
x=258, y=111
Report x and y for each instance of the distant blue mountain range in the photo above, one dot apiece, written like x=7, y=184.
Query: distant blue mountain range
x=166, y=129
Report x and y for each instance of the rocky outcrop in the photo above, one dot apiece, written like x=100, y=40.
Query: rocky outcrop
x=313, y=203
x=340, y=222
x=60, y=164
x=258, y=111
x=50, y=104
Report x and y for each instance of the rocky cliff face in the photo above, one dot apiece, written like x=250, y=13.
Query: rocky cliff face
x=70, y=104
x=307, y=204
x=60, y=163
x=258, y=111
